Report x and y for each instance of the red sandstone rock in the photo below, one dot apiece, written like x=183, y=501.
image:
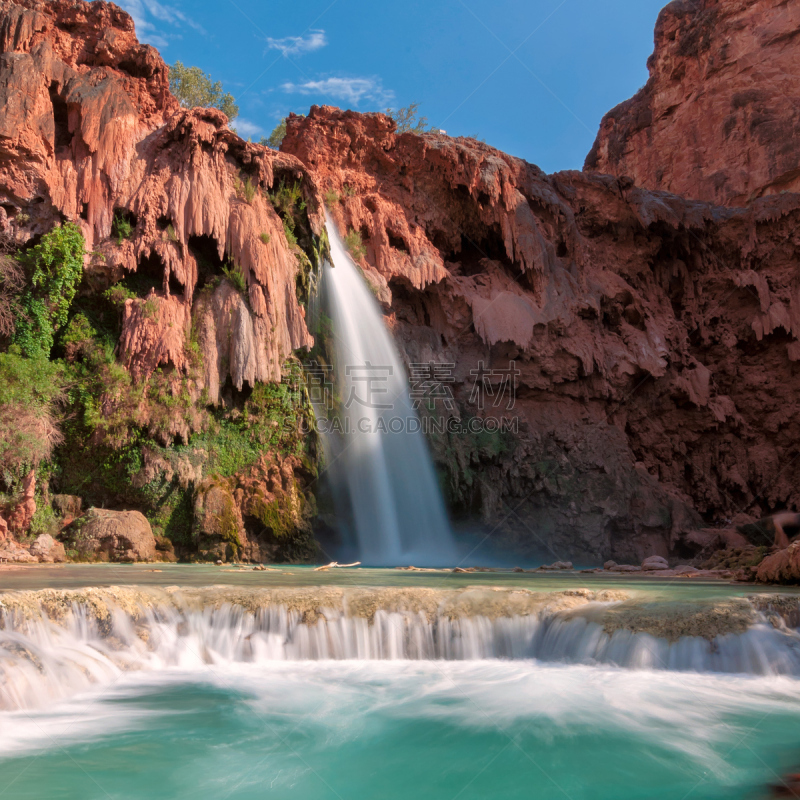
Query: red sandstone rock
x=113, y=536
x=88, y=126
x=655, y=336
x=781, y=567
x=20, y=518
x=719, y=117
x=47, y=550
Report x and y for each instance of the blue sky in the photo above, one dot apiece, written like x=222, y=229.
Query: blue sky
x=531, y=77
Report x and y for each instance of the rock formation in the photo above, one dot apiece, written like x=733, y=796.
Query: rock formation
x=89, y=130
x=113, y=536
x=781, y=567
x=168, y=199
x=719, y=117
x=655, y=336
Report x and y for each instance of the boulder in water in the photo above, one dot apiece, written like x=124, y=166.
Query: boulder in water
x=625, y=568
x=113, y=536
x=556, y=565
x=781, y=567
x=47, y=550
x=609, y=564
x=654, y=563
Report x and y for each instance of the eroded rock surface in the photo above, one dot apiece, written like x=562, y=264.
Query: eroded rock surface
x=89, y=129
x=781, y=567
x=719, y=116
x=655, y=337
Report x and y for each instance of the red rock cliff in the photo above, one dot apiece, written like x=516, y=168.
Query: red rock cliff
x=657, y=337
x=719, y=117
x=88, y=128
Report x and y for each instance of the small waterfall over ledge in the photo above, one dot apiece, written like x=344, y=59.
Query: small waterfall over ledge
x=52, y=651
x=381, y=460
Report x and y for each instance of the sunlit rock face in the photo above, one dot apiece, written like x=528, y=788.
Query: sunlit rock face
x=88, y=129
x=655, y=336
x=719, y=116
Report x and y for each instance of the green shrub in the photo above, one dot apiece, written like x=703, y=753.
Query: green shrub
x=118, y=294
x=288, y=200
x=55, y=268
x=271, y=419
x=150, y=308
x=171, y=235
x=44, y=520
x=121, y=227
x=288, y=229
x=355, y=245
x=265, y=237
x=234, y=273
x=78, y=337
x=331, y=197
x=245, y=189
x=30, y=391
x=407, y=119
x=278, y=134
x=348, y=191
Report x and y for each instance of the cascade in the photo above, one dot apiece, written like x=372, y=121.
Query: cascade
x=45, y=659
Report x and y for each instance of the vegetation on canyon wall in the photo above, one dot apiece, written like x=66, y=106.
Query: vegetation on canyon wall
x=220, y=465
x=73, y=413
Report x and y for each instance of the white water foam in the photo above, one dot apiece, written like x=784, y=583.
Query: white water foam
x=44, y=661
x=699, y=716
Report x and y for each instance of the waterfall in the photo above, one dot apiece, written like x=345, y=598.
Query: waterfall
x=47, y=659
x=381, y=460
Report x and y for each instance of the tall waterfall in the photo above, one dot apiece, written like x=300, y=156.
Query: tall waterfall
x=382, y=459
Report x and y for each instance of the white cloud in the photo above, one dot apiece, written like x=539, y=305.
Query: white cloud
x=352, y=90
x=245, y=128
x=153, y=20
x=297, y=45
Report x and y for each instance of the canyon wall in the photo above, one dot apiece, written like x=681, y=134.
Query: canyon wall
x=180, y=226
x=656, y=337
x=719, y=116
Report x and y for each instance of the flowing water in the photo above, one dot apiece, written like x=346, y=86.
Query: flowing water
x=227, y=692
x=381, y=458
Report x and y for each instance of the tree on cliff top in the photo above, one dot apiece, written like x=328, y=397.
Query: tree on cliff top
x=277, y=135
x=194, y=88
x=407, y=119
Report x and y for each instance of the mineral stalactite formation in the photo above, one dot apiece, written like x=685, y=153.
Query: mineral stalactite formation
x=88, y=130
